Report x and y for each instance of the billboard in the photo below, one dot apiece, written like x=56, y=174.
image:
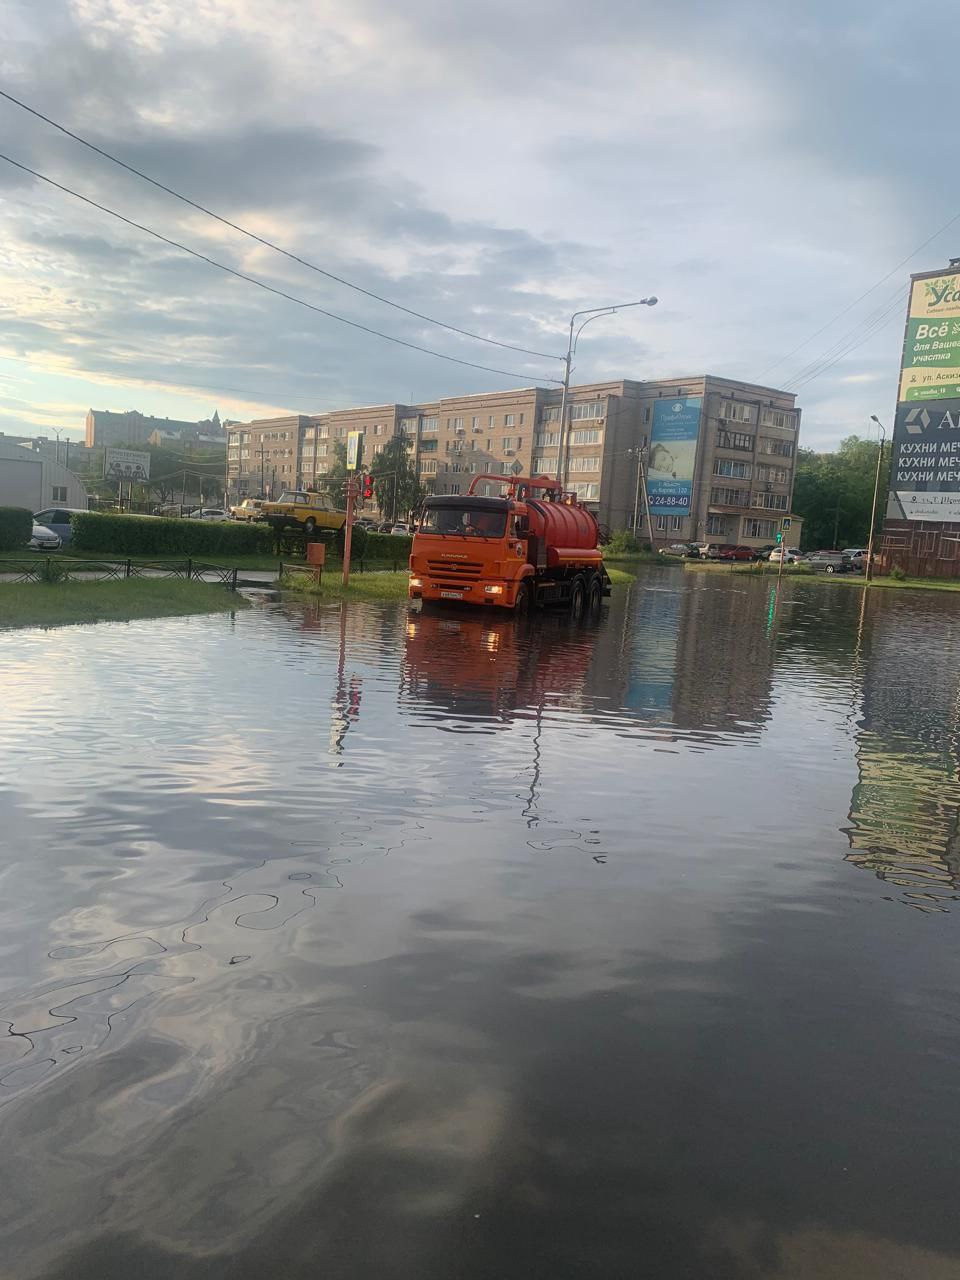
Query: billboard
x=673, y=454
x=354, y=450
x=925, y=469
x=931, y=348
x=125, y=464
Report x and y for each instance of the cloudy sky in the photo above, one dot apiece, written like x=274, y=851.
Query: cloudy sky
x=757, y=164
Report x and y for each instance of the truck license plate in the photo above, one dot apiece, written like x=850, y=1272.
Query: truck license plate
x=451, y=595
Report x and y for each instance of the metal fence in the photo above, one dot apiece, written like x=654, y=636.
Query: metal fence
x=67, y=569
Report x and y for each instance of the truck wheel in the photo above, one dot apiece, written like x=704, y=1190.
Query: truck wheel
x=578, y=599
x=522, y=606
x=594, y=600
x=310, y=527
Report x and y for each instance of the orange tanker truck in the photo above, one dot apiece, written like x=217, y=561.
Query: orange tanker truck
x=532, y=547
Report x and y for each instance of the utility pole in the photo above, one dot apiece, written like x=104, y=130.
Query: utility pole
x=592, y=313
x=263, y=492
x=876, y=489
x=636, y=496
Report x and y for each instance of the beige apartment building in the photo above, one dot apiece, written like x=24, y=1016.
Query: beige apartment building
x=717, y=455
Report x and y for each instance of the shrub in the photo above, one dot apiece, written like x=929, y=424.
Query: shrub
x=897, y=574
x=53, y=570
x=391, y=547
x=16, y=527
x=358, y=541
x=622, y=543
x=153, y=536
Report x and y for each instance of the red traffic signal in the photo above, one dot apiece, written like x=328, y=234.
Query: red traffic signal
x=367, y=487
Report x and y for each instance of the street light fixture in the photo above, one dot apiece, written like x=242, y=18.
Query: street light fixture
x=591, y=313
x=876, y=490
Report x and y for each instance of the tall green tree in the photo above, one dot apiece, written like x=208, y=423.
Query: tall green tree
x=834, y=493
x=395, y=479
x=334, y=482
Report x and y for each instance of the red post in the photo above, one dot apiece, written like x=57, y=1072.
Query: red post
x=348, y=529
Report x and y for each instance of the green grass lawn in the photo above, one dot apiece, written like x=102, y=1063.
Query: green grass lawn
x=379, y=586
x=32, y=604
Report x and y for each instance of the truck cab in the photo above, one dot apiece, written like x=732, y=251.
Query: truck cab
x=533, y=546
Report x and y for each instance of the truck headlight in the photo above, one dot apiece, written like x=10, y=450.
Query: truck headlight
x=416, y=582
x=495, y=590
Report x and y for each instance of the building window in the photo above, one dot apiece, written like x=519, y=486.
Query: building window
x=759, y=528
x=475, y=424
x=646, y=413
x=590, y=463
x=778, y=448
x=676, y=523
x=778, y=418
x=586, y=492
x=509, y=420
x=734, y=440
x=507, y=443
x=490, y=421
x=521, y=420
x=775, y=475
x=734, y=412
x=662, y=524
x=544, y=461
x=771, y=501
x=593, y=409
x=547, y=440
x=716, y=524
x=589, y=435
x=551, y=414
x=429, y=446
x=408, y=426
x=59, y=493
x=455, y=488
x=430, y=424
x=728, y=497
x=735, y=470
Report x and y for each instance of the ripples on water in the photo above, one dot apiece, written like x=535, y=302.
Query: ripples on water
x=357, y=942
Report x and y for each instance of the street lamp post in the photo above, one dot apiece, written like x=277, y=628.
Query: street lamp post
x=591, y=313
x=876, y=489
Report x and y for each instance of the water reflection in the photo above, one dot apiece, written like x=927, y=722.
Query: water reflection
x=905, y=808
x=432, y=946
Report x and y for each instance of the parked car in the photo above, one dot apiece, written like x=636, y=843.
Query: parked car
x=737, y=553
x=385, y=526
x=830, y=562
x=403, y=529
x=43, y=539
x=248, y=509
x=57, y=520
x=791, y=555
x=680, y=549
x=208, y=513
x=707, y=550
x=857, y=557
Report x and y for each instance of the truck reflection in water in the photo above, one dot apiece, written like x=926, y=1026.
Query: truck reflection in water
x=490, y=667
x=905, y=808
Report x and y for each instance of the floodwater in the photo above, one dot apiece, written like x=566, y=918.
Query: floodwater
x=351, y=943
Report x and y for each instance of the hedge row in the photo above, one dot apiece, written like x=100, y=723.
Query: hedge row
x=16, y=527
x=387, y=546
x=154, y=535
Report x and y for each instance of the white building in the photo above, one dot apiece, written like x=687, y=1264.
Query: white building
x=29, y=479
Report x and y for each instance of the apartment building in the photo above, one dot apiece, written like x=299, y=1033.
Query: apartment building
x=104, y=427
x=717, y=455
x=263, y=457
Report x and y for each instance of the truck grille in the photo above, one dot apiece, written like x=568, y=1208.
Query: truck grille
x=455, y=570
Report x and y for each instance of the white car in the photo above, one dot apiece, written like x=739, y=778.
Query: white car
x=209, y=513
x=44, y=539
x=790, y=555
x=401, y=528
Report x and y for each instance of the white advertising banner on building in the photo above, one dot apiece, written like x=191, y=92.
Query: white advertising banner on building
x=125, y=464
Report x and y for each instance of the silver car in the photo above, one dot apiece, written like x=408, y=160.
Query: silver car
x=44, y=539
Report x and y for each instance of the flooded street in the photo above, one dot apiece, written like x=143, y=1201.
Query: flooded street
x=349, y=942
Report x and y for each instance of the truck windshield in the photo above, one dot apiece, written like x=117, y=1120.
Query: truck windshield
x=463, y=522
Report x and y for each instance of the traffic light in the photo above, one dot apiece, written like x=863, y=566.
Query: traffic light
x=779, y=538
x=367, y=487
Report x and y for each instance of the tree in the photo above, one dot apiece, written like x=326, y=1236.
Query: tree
x=395, y=479
x=334, y=482
x=834, y=493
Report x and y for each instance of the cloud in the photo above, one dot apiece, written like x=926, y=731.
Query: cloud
x=493, y=166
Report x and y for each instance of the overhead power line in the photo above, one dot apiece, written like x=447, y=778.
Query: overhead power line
x=269, y=244
x=851, y=339
x=866, y=293
x=261, y=284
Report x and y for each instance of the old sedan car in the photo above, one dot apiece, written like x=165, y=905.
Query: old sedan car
x=248, y=509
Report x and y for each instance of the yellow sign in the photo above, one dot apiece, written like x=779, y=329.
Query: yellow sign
x=936, y=298
x=930, y=384
x=354, y=450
